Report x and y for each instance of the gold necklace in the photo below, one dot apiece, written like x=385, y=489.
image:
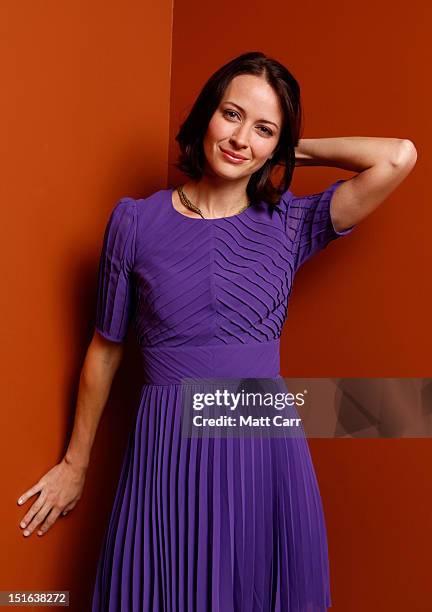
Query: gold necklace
x=185, y=200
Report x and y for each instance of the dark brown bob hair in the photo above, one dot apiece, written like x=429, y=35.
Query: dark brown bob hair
x=190, y=137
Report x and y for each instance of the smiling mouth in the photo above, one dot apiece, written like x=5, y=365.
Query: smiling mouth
x=233, y=156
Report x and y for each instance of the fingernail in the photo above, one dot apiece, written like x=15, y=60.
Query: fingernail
x=22, y=524
x=40, y=533
x=26, y=532
x=20, y=501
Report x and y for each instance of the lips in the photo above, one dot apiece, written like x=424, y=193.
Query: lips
x=234, y=155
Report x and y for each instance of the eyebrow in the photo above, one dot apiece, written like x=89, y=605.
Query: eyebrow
x=243, y=111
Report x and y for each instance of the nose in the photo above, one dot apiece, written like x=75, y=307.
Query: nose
x=239, y=137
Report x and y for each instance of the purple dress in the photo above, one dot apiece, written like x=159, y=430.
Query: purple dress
x=209, y=525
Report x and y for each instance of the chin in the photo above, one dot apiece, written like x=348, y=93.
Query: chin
x=230, y=175
x=221, y=170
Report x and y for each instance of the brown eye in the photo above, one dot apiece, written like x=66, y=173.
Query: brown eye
x=226, y=112
x=229, y=113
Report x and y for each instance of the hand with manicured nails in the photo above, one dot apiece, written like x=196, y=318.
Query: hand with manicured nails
x=59, y=491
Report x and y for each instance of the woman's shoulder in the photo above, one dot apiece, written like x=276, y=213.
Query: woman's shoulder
x=139, y=206
x=123, y=214
x=151, y=205
x=310, y=202
x=281, y=206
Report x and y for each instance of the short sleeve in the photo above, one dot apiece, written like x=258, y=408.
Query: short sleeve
x=308, y=223
x=115, y=291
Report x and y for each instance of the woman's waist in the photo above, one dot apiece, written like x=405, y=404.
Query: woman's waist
x=165, y=363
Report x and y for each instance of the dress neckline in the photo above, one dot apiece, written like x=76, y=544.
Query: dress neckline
x=179, y=214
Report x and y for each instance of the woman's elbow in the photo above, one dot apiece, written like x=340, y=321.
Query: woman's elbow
x=405, y=155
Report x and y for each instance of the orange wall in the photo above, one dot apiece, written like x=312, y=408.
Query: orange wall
x=362, y=306
x=85, y=115
x=87, y=118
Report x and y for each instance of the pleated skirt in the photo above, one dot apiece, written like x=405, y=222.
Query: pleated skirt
x=211, y=524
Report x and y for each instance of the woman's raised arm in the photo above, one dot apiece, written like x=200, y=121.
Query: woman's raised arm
x=382, y=164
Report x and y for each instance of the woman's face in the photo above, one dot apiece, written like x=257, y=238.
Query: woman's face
x=248, y=123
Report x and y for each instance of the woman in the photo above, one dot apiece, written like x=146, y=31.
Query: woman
x=205, y=272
